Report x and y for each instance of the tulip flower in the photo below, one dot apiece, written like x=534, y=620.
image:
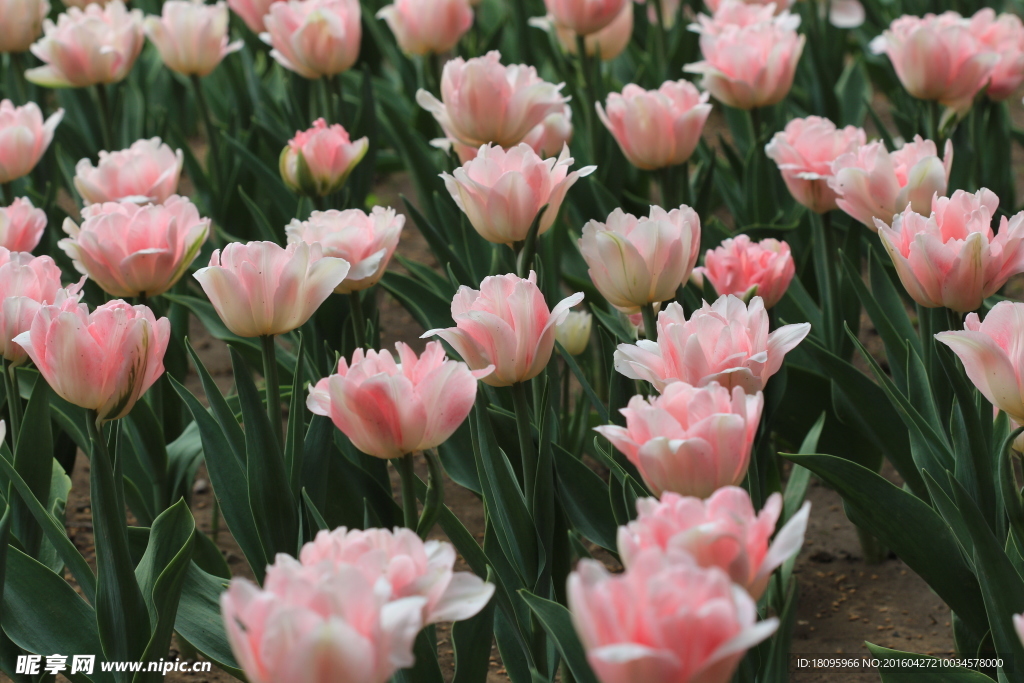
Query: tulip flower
x=656, y=128
x=547, y=138
x=27, y=283
x=873, y=183
x=318, y=161
x=505, y=324
x=147, y=172
x=252, y=12
x=22, y=24
x=1003, y=35
x=1018, y=626
x=573, y=333
x=669, y=11
x=427, y=26
x=192, y=37
x=607, y=44
x=90, y=46
x=24, y=137
x=804, y=153
x=745, y=268
x=102, y=361
x=585, y=17
x=726, y=342
x=367, y=242
x=689, y=440
x=722, y=531
x=502, y=192
x=314, y=38
x=635, y=262
x=483, y=101
x=666, y=620
x=260, y=289
x=21, y=225
x=132, y=251
x=937, y=57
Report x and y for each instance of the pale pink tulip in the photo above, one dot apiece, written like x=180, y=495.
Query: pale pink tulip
x=639, y=261
x=745, y=268
x=390, y=409
x=502, y=192
x=666, y=620
x=147, y=172
x=548, y=137
x=1003, y=35
x=937, y=57
x=427, y=26
x=1018, y=626
x=24, y=137
x=27, y=283
x=412, y=568
x=483, y=101
x=22, y=23
x=689, y=440
x=192, y=37
x=21, y=225
x=102, y=361
x=873, y=183
x=261, y=289
x=607, y=44
x=367, y=242
x=314, y=38
x=669, y=11
x=726, y=342
x=318, y=161
x=252, y=12
x=90, y=46
x=804, y=153
x=132, y=251
x=656, y=128
x=993, y=355
x=722, y=531
x=84, y=3
x=736, y=13
x=573, y=333
x=585, y=17
x=505, y=324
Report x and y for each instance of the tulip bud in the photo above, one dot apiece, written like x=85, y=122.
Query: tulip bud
x=573, y=333
x=192, y=38
x=24, y=138
x=318, y=161
x=744, y=268
x=22, y=23
x=21, y=225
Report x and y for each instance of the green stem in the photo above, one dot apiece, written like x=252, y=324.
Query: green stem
x=660, y=53
x=8, y=189
x=408, y=475
x=213, y=163
x=106, y=125
x=215, y=519
x=19, y=77
x=339, y=91
x=273, y=387
x=526, y=445
x=669, y=196
x=874, y=551
x=589, y=88
x=954, y=320
x=650, y=322
x=355, y=305
x=13, y=402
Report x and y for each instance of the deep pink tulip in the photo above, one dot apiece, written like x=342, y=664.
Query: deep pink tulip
x=424, y=27
x=261, y=289
x=585, y=17
x=689, y=440
x=104, y=360
x=367, y=242
x=607, y=44
x=147, y=172
x=21, y=225
x=192, y=37
x=27, y=283
x=314, y=38
x=390, y=409
x=656, y=128
x=318, y=161
x=24, y=137
x=22, y=23
x=1004, y=35
x=804, y=153
x=726, y=342
x=666, y=620
x=722, y=531
x=745, y=268
x=506, y=324
x=252, y=12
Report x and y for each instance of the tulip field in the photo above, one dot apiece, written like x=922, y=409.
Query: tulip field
x=467, y=341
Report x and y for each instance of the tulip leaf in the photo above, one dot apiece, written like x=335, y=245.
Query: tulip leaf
x=295, y=434
x=584, y=497
x=924, y=672
x=318, y=449
x=557, y=622
x=438, y=244
x=574, y=367
x=199, y=619
x=33, y=460
x=427, y=307
x=223, y=413
x=471, y=641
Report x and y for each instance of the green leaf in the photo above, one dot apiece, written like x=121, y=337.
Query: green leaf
x=33, y=460
x=293, y=442
x=233, y=435
x=471, y=641
x=199, y=620
x=584, y=497
x=557, y=624
x=922, y=673
x=427, y=307
x=799, y=477
x=595, y=401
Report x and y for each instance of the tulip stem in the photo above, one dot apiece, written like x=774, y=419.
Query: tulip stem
x=589, y=87
x=954, y=320
x=13, y=401
x=650, y=322
x=273, y=387
x=660, y=53
x=105, y=123
x=526, y=445
x=355, y=304
x=213, y=160
x=18, y=69
x=8, y=189
x=408, y=475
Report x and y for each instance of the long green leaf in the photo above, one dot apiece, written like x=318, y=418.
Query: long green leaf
x=33, y=460
x=923, y=672
x=199, y=620
x=558, y=624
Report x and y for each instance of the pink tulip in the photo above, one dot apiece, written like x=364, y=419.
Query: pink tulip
x=389, y=409
x=689, y=440
x=412, y=568
x=722, y=531
x=716, y=5
x=1018, y=626
x=24, y=137
x=548, y=137
x=82, y=4
x=21, y=225
x=607, y=44
x=745, y=268
x=427, y=26
x=752, y=65
x=147, y=172
x=502, y=192
x=90, y=46
x=314, y=38
x=938, y=58
x=656, y=128
x=505, y=324
x=1003, y=35
x=102, y=361
x=666, y=620
x=27, y=283
x=192, y=38
x=132, y=251
x=483, y=101
x=367, y=242
x=726, y=342
x=585, y=17
x=22, y=24
x=252, y=12
x=804, y=153
x=639, y=261
x=261, y=289
x=872, y=183
x=318, y=161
